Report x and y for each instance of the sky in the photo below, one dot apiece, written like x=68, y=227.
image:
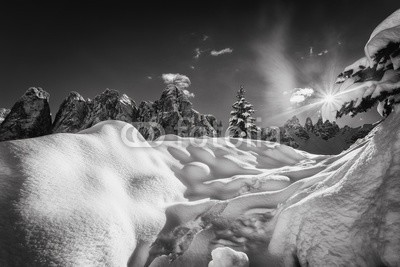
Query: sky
x=269, y=47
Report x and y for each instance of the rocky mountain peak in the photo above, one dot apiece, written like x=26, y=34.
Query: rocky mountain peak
x=29, y=117
x=294, y=122
x=110, y=105
x=71, y=114
x=309, y=126
x=173, y=112
x=36, y=93
x=174, y=99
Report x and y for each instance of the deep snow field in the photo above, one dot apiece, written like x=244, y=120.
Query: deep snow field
x=103, y=196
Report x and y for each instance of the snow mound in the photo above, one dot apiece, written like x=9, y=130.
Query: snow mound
x=105, y=196
x=227, y=257
x=82, y=199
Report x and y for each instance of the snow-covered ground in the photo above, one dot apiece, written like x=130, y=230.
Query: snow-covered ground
x=103, y=196
x=107, y=197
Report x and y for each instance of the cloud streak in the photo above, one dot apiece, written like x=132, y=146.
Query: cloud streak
x=301, y=94
x=216, y=53
x=197, y=53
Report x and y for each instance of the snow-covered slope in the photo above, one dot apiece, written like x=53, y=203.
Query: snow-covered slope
x=102, y=196
x=283, y=207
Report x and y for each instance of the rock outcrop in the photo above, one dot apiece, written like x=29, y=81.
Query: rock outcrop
x=173, y=113
x=76, y=113
x=29, y=117
x=72, y=114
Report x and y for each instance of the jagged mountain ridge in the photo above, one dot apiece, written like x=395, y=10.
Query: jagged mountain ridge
x=320, y=138
x=173, y=113
x=31, y=117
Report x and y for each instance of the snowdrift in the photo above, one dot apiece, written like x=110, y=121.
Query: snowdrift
x=301, y=209
x=105, y=196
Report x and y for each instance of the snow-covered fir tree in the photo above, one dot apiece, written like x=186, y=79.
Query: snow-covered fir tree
x=241, y=123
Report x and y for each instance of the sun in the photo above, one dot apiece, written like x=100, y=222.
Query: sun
x=329, y=98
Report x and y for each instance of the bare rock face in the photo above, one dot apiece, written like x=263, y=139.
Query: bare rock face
x=174, y=114
x=110, y=105
x=326, y=130
x=76, y=113
x=71, y=115
x=171, y=114
x=293, y=128
x=29, y=117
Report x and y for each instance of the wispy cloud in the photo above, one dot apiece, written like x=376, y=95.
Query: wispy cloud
x=197, y=52
x=323, y=52
x=216, y=53
x=205, y=37
x=149, y=77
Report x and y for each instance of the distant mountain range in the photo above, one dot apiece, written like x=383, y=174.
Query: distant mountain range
x=320, y=138
x=173, y=112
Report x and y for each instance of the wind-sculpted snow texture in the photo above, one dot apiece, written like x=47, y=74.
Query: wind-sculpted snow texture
x=94, y=198
x=82, y=199
x=283, y=207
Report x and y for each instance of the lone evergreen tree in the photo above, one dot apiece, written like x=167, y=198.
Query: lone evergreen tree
x=241, y=123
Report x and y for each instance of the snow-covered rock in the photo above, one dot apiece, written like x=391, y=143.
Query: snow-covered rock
x=29, y=117
x=3, y=114
x=227, y=257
